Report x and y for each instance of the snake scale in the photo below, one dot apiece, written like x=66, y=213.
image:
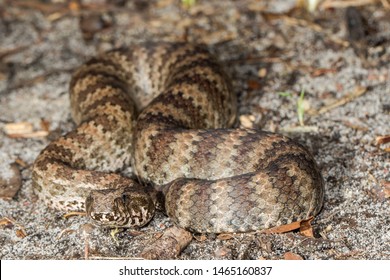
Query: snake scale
x=167, y=110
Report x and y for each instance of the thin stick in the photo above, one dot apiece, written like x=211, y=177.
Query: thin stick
x=358, y=91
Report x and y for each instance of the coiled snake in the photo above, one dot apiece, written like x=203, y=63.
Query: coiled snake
x=208, y=176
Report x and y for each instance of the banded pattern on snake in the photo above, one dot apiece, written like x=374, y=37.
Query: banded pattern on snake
x=167, y=109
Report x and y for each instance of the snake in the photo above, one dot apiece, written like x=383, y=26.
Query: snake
x=168, y=111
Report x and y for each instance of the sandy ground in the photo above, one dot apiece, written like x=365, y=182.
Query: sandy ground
x=267, y=50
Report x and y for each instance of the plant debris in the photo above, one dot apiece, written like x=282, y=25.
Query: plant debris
x=23, y=130
x=169, y=245
x=10, y=182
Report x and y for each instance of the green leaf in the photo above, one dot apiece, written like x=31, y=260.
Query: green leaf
x=285, y=94
x=188, y=3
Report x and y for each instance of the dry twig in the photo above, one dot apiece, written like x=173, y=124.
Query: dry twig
x=358, y=91
x=328, y=4
x=21, y=232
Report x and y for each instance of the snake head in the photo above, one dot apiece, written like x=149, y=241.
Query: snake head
x=125, y=207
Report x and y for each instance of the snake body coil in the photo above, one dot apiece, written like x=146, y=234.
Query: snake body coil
x=183, y=151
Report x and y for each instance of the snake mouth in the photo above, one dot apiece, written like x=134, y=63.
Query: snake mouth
x=105, y=219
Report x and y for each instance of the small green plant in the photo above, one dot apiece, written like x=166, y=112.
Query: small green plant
x=188, y=3
x=301, y=108
x=300, y=104
x=285, y=94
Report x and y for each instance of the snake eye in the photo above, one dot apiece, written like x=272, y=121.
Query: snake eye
x=124, y=198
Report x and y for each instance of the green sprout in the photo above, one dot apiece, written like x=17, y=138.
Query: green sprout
x=188, y=3
x=285, y=94
x=301, y=108
x=300, y=104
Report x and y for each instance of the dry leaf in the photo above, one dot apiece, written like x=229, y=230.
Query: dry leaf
x=200, y=238
x=18, y=128
x=225, y=236
x=247, y=121
x=23, y=130
x=34, y=134
x=21, y=162
x=282, y=228
x=65, y=231
x=292, y=256
x=306, y=229
x=5, y=222
x=134, y=233
x=253, y=85
x=45, y=125
x=329, y=4
x=386, y=188
x=158, y=235
x=20, y=233
x=288, y=227
x=322, y=71
x=72, y=214
x=382, y=139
